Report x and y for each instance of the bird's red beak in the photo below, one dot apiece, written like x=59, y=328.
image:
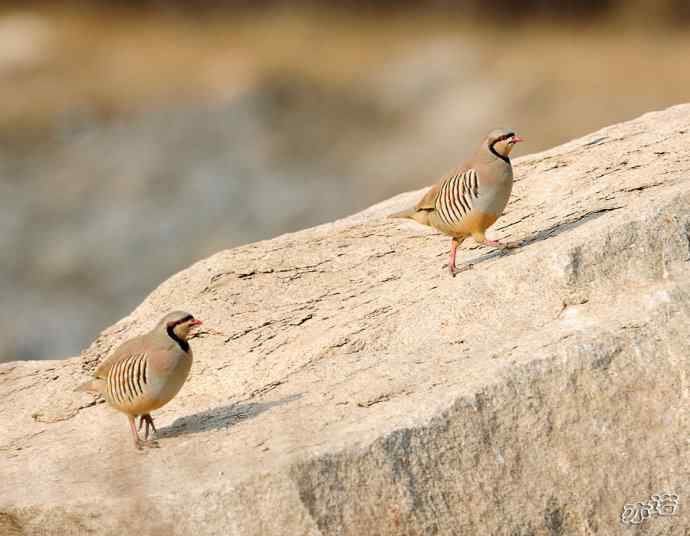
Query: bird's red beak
x=195, y=322
x=516, y=139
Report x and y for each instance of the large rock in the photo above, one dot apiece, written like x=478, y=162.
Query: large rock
x=283, y=154
x=346, y=384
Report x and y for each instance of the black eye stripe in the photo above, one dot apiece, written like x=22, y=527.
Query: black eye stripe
x=181, y=320
x=501, y=138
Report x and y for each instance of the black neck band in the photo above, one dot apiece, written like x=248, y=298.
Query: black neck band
x=183, y=344
x=504, y=158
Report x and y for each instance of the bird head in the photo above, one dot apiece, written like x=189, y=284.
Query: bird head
x=501, y=141
x=179, y=323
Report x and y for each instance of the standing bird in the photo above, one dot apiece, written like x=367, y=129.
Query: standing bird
x=468, y=200
x=146, y=372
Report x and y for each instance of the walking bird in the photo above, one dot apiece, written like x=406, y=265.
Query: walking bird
x=146, y=372
x=468, y=200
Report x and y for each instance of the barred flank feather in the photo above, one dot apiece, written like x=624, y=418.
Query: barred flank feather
x=457, y=196
x=127, y=379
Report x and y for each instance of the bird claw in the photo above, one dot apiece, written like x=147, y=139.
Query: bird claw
x=454, y=270
x=513, y=245
x=148, y=443
x=504, y=245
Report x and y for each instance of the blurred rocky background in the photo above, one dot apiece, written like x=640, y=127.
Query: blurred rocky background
x=138, y=137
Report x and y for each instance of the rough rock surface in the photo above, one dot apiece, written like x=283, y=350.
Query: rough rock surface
x=78, y=203
x=346, y=385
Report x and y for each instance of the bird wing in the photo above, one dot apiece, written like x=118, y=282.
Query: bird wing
x=129, y=348
x=457, y=196
x=428, y=202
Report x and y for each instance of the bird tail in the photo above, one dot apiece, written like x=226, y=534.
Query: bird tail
x=93, y=386
x=420, y=216
x=409, y=213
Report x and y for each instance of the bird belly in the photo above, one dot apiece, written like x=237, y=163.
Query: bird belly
x=142, y=404
x=475, y=221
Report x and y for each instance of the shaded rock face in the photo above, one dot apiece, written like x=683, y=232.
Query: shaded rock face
x=346, y=384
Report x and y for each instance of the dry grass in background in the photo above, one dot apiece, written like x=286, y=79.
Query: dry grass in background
x=574, y=79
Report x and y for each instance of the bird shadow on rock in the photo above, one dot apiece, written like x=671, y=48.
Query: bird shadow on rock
x=540, y=235
x=221, y=417
x=559, y=228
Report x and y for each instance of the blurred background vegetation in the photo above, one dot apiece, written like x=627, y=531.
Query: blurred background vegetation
x=140, y=136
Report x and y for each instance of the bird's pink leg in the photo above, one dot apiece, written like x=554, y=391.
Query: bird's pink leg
x=453, y=251
x=133, y=426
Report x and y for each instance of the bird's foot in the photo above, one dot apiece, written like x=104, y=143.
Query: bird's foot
x=146, y=418
x=455, y=270
x=503, y=245
x=148, y=443
x=513, y=244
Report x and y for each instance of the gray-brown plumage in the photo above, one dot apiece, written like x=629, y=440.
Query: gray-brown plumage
x=146, y=372
x=467, y=201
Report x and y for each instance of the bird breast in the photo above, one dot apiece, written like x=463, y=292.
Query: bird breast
x=163, y=387
x=494, y=196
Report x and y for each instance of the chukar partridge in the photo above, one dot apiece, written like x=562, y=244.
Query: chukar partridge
x=146, y=372
x=468, y=200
